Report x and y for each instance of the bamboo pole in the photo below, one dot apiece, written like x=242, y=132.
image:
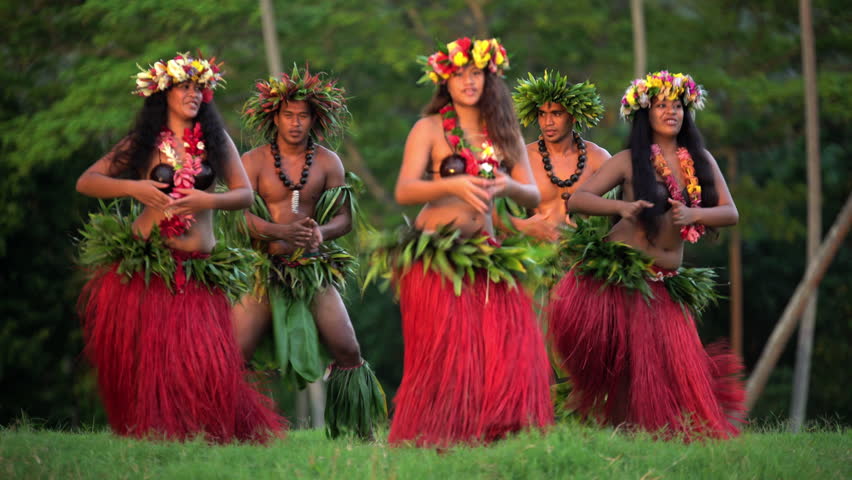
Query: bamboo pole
x=735, y=269
x=801, y=376
x=639, y=48
x=789, y=319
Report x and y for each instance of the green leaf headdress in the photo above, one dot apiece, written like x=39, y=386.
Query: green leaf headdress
x=581, y=100
x=327, y=102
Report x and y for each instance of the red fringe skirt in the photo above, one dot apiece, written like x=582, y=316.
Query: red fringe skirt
x=168, y=365
x=642, y=363
x=475, y=365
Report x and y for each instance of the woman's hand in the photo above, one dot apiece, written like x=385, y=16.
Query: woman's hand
x=499, y=186
x=630, y=210
x=148, y=192
x=540, y=226
x=193, y=201
x=683, y=215
x=471, y=189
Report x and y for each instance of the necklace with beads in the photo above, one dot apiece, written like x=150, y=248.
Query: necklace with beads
x=296, y=187
x=548, y=166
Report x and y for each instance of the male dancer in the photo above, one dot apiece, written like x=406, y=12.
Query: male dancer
x=302, y=205
x=560, y=159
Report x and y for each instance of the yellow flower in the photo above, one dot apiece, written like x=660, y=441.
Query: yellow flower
x=498, y=54
x=693, y=189
x=654, y=83
x=459, y=59
x=433, y=76
x=631, y=100
x=481, y=53
x=487, y=150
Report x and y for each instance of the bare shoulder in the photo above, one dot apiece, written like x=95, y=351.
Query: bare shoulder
x=428, y=126
x=327, y=158
x=595, y=150
x=710, y=157
x=255, y=155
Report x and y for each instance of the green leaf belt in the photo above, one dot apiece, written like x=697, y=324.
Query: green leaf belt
x=107, y=239
x=446, y=253
x=585, y=252
x=302, y=277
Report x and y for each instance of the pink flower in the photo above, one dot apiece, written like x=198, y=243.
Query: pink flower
x=690, y=233
x=454, y=140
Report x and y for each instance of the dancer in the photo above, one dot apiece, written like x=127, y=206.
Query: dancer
x=561, y=160
x=475, y=364
x=623, y=318
x=297, y=223
x=156, y=312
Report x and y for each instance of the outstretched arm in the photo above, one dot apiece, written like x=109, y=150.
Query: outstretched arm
x=588, y=198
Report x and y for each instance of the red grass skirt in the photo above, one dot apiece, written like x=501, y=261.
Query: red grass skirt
x=643, y=363
x=168, y=364
x=475, y=365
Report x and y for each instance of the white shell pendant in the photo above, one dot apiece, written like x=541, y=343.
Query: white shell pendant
x=294, y=202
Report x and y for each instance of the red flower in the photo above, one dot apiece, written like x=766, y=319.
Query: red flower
x=207, y=95
x=454, y=140
x=471, y=166
x=450, y=123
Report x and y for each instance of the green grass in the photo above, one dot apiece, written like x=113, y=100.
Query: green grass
x=567, y=451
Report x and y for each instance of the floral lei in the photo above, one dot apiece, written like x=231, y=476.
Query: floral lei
x=692, y=232
x=487, y=163
x=186, y=169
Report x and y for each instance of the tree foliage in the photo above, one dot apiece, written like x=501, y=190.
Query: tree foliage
x=66, y=76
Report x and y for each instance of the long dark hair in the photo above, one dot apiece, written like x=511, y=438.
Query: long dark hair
x=133, y=154
x=498, y=111
x=644, y=179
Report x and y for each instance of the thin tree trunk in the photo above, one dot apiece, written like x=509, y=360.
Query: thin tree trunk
x=792, y=313
x=639, y=48
x=806, y=330
x=481, y=22
x=735, y=267
x=270, y=38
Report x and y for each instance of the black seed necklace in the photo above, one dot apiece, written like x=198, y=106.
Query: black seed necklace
x=548, y=167
x=309, y=159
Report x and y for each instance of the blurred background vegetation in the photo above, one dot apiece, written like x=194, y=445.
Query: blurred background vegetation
x=65, y=100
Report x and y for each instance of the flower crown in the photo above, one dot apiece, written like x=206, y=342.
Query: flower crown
x=451, y=58
x=327, y=102
x=581, y=100
x=670, y=85
x=163, y=75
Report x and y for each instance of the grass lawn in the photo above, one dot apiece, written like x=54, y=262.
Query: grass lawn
x=567, y=451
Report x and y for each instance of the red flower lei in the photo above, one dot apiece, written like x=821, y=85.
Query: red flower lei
x=186, y=169
x=487, y=163
x=693, y=232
